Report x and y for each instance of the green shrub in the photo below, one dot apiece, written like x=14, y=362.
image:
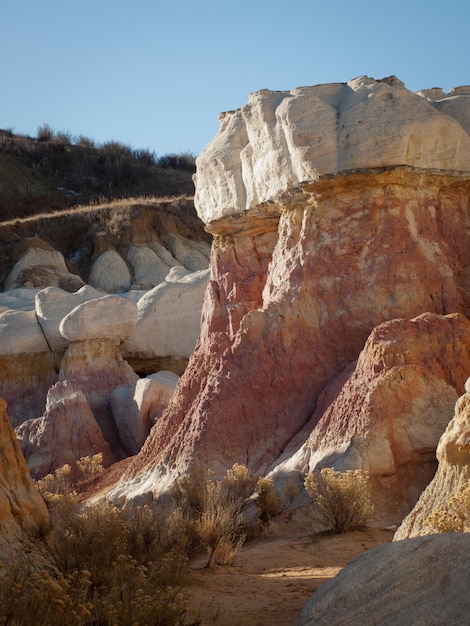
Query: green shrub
x=341, y=499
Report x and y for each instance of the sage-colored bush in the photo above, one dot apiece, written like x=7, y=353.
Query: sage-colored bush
x=341, y=499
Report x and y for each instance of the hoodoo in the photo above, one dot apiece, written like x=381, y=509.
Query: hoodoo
x=334, y=209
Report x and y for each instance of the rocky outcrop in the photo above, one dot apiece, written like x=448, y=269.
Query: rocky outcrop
x=23, y=512
x=452, y=476
x=169, y=318
x=281, y=139
x=110, y=273
x=53, y=304
x=65, y=433
x=386, y=413
x=392, y=585
x=307, y=260
x=136, y=408
x=39, y=267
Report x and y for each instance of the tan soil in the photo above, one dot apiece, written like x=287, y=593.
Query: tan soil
x=274, y=576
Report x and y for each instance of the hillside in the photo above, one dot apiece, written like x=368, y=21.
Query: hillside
x=54, y=172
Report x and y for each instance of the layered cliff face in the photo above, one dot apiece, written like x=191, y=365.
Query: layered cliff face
x=333, y=209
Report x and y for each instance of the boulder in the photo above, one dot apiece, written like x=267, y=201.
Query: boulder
x=419, y=581
x=138, y=407
x=53, y=304
x=452, y=476
x=39, y=268
x=193, y=255
x=324, y=227
x=65, y=433
x=110, y=273
x=109, y=317
x=23, y=512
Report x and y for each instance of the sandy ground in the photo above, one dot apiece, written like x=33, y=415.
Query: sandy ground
x=274, y=576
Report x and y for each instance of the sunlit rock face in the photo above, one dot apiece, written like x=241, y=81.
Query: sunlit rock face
x=23, y=513
x=451, y=477
x=386, y=412
x=333, y=209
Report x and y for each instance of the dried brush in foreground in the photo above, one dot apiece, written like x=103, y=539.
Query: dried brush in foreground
x=341, y=499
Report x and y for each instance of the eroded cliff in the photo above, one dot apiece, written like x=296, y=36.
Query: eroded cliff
x=333, y=209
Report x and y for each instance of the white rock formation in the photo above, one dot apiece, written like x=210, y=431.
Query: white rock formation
x=20, y=333
x=283, y=138
x=53, y=304
x=39, y=268
x=109, y=317
x=149, y=269
x=110, y=273
x=21, y=299
x=169, y=317
x=136, y=408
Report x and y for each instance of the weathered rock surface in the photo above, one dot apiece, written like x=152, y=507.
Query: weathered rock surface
x=66, y=432
x=110, y=273
x=453, y=473
x=169, y=317
x=39, y=267
x=22, y=510
x=108, y=317
x=96, y=367
x=388, y=415
x=52, y=304
x=149, y=269
x=419, y=581
x=24, y=382
x=302, y=272
x=20, y=333
x=283, y=138
x=138, y=407
x=21, y=299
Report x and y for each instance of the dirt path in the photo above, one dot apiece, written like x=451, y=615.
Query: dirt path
x=273, y=577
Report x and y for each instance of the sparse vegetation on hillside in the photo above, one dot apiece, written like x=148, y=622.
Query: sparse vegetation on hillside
x=56, y=170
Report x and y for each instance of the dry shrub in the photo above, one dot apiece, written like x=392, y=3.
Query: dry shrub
x=341, y=499
x=113, y=566
x=210, y=513
x=454, y=516
x=267, y=501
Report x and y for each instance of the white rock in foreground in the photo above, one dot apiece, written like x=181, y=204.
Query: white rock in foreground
x=282, y=138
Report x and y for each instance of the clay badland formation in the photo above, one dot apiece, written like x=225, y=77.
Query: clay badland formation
x=335, y=325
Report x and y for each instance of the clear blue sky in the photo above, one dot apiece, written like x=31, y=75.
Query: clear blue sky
x=156, y=73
